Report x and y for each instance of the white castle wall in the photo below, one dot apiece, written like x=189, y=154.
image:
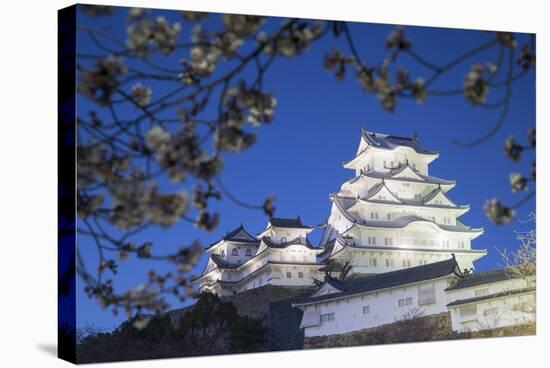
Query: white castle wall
x=383, y=308
x=495, y=312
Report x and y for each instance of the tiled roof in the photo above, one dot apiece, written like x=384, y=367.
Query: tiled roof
x=391, y=142
x=301, y=241
x=342, y=241
x=262, y=268
x=378, y=187
x=385, y=280
x=399, y=222
x=288, y=222
x=490, y=296
x=388, y=176
x=486, y=277
x=338, y=284
x=328, y=247
x=220, y=262
x=238, y=235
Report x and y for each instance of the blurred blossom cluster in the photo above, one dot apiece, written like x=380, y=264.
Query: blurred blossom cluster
x=495, y=210
x=377, y=78
x=141, y=94
x=180, y=153
x=475, y=86
x=100, y=82
x=258, y=106
x=294, y=41
x=146, y=35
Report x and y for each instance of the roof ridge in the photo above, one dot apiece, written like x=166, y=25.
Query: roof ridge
x=389, y=280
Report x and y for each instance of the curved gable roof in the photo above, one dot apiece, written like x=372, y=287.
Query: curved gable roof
x=298, y=241
x=407, y=172
x=292, y=223
x=381, y=188
x=438, y=193
x=239, y=235
x=391, y=142
x=387, y=176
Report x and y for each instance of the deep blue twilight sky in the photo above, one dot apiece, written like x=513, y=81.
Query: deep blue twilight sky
x=317, y=126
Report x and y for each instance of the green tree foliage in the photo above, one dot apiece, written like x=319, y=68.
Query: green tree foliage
x=211, y=326
x=245, y=334
x=214, y=324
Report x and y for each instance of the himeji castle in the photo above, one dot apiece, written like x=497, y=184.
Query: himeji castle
x=391, y=215
x=398, y=232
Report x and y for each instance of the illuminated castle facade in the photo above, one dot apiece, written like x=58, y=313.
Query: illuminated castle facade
x=391, y=215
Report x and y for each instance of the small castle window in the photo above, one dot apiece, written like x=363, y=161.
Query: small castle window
x=366, y=309
x=248, y=252
x=300, y=275
x=404, y=302
x=234, y=252
x=289, y=275
x=329, y=317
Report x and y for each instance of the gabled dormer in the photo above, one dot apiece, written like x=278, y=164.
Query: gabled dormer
x=329, y=286
x=438, y=198
x=405, y=171
x=380, y=192
x=238, y=236
x=282, y=230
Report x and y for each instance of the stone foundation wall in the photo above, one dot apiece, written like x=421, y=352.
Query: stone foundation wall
x=435, y=327
x=273, y=305
x=429, y=328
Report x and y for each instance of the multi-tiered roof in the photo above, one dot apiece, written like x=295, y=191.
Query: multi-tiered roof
x=393, y=197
